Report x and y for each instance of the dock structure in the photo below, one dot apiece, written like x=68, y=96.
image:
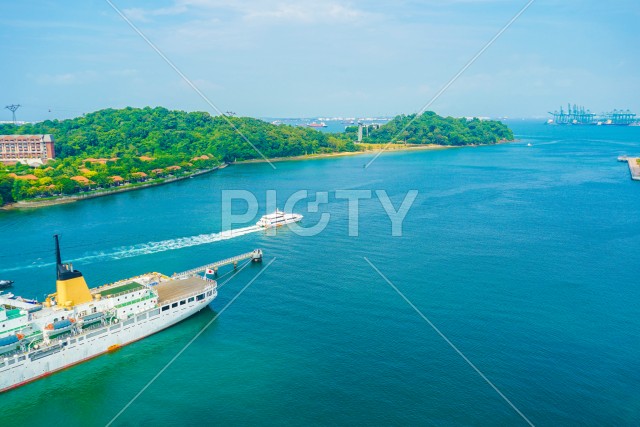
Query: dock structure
x=255, y=255
x=634, y=166
x=579, y=115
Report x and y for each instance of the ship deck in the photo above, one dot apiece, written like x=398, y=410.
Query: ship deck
x=129, y=287
x=177, y=289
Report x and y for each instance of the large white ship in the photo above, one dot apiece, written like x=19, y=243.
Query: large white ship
x=77, y=323
x=277, y=219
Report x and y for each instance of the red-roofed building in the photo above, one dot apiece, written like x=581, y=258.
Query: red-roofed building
x=29, y=177
x=26, y=148
x=83, y=180
x=101, y=161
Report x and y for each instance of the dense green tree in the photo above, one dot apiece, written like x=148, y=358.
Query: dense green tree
x=20, y=189
x=67, y=185
x=6, y=186
x=430, y=128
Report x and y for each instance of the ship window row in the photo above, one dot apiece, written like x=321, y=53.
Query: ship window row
x=183, y=302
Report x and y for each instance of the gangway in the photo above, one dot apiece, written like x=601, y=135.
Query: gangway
x=255, y=255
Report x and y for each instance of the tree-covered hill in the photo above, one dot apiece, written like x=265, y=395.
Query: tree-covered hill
x=158, y=131
x=430, y=128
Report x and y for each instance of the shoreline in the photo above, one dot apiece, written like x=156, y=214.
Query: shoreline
x=368, y=149
x=72, y=199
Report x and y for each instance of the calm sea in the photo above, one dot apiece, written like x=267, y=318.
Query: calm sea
x=525, y=257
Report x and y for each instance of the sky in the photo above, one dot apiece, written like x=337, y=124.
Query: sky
x=319, y=58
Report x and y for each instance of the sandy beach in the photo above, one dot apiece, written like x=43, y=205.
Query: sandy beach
x=367, y=149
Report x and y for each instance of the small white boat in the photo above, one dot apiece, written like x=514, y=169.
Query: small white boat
x=529, y=145
x=277, y=219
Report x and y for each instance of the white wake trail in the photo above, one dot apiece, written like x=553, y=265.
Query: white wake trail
x=149, y=248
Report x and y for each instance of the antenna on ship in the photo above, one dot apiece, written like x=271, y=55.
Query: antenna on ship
x=59, y=266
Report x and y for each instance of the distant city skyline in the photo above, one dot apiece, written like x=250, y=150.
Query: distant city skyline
x=319, y=58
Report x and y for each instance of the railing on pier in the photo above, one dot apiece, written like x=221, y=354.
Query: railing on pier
x=255, y=255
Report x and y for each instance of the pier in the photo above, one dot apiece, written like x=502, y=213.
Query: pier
x=634, y=167
x=255, y=255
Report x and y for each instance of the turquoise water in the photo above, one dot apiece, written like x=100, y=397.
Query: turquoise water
x=524, y=257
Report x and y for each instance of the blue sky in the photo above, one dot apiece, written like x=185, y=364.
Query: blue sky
x=296, y=58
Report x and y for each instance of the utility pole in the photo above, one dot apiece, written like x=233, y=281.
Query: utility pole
x=13, y=109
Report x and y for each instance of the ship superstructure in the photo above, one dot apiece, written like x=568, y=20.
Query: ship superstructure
x=77, y=323
x=278, y=219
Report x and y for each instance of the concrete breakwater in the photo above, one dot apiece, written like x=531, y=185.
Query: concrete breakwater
x=634, y=167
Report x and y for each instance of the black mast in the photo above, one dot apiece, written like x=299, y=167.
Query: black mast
x=63, y=271
x=58, y=258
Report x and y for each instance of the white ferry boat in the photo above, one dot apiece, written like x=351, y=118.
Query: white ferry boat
x=277, y=219
x=77, y=323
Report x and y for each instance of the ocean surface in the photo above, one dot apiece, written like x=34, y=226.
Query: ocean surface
x=524, y=257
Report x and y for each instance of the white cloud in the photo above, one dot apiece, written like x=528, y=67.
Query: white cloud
x=145, y=15
x=306, y=11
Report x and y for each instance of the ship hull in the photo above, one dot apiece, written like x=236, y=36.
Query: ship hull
x=279, y=224
x=27, y=367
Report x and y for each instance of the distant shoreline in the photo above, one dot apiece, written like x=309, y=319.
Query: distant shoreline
x=368, y=149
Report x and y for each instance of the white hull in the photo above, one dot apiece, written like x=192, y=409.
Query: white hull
x=281, y=223
x=61, y=353
x=278, y=219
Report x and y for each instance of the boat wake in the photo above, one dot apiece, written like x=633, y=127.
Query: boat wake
x=168, y=245
x=149, y=248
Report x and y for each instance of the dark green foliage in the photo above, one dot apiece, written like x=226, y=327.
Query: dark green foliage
x=6, y=185
x=131, y=132
x=429, y=128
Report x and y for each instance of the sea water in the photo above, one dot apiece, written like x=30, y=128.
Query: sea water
x=525, y=257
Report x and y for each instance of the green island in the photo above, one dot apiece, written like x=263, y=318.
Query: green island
x=116, y=150
x=430, y=128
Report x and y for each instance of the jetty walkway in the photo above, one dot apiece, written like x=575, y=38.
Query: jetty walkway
x=634, y=167
x=255, y=255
